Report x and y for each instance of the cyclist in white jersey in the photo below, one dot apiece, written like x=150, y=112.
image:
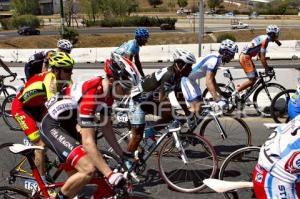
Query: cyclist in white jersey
x=207, y=67
x=131, y=48
x=278, y=169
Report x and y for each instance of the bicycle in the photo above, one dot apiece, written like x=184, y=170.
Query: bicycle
x=226, y=134
x=97, y=188
x=263, y=92
x=5, y=90
x=6, y=108
x=279, y=106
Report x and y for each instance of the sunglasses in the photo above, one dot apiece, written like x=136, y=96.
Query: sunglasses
x=67, y=70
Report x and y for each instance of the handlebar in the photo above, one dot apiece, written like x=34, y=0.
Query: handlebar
x=2, y=77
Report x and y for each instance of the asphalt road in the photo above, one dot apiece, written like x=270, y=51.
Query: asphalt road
x=154, y=185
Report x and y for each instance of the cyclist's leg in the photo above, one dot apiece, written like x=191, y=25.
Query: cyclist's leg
x=29, y=127
x=69, y=151
x=267, y=186
x=137, y=122
x=249, y=68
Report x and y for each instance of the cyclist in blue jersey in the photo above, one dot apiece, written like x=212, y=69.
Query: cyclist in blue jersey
x=131, y=48
x=207, y=67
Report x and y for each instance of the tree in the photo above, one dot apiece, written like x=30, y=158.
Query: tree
x=182, y=3
x=155, y=3
x=91, y=8
x=171, y=4
x=117, y=7
x=212, y=4
x=23, y=7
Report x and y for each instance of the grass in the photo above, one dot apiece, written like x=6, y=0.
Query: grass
x=112, y=40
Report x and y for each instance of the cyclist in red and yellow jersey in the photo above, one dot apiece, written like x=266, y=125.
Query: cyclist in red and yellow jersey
x=29, y=105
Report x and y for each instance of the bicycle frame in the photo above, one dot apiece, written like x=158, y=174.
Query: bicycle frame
x=104, y=190
x=249, y=92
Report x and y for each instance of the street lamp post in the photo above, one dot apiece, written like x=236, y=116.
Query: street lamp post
x=62, y=16
x=201, y=26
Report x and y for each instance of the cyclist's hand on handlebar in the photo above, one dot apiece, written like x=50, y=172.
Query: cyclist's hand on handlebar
x=270, y=71
x=116, y=179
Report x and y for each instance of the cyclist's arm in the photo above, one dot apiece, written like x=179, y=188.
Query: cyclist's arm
x=263, y=59
x=5, y=67
x=138, y=64
x=211, y=85
x=50, y=85
x=89, y=144
x=45, y=65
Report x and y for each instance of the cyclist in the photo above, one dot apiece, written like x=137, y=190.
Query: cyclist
x=38, y=62
x=7, y=69
x=164, y=81
x=28, y=106
x=131, y=48
x=277, y=170
x=207, y=67
x=78, y=106
x=258, y=46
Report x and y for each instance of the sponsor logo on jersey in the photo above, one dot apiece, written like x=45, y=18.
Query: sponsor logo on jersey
x=293, y=163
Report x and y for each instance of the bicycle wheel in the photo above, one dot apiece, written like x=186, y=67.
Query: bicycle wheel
x=13, y=167
x=263, y=97
x=9, y=192
x=239, y=166
x=237, y=131
x=201, y=163
x=135, y=195
x=279, y=106
x=7, y=117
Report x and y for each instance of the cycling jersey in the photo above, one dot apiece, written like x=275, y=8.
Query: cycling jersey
x=78, y=106
x=130, y=48
x=29, y=104
x=258, y=44
x=190, y=88
x=280, y=154
x=35, y=64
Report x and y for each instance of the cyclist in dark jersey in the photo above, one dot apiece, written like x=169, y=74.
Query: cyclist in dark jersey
x=38, y=62
x=164, y=81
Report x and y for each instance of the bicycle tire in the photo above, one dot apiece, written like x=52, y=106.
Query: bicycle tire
x=225, y=89
x=135, y=195
x=239, y=166
x=238, y=135
x=7, y=117
x=203, y=159
x=14, y=192
x=263, y=105
x=279, y=106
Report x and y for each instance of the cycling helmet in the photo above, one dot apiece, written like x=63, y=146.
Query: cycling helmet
x=141, y=33
x=61, y=60
x=228, y=46
x=122, y=70
x=64, y=44
x=273, y=29
x=184, y=55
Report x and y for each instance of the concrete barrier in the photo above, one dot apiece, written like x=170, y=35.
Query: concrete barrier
x=290, y=49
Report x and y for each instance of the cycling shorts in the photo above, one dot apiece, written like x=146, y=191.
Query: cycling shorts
x=191, y=90
x=294, y=106
x=248, y=66
x=64, y=143
x=27, y=117
x=267, y=186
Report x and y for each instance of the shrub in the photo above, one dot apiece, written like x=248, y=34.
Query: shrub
x=25, y=20
x=136, y=21
x=6, y=24
x=70, y=33
x=225, y=36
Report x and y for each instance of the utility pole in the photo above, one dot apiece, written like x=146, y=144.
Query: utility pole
x=62, y=16
x=201, y=26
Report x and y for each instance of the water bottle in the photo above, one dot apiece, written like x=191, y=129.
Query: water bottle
x=149, y=143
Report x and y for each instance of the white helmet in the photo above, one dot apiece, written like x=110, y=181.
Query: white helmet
x=273, y=29
x=124, y=69
x=64, y=44
x=228, y=46
x=184, y=55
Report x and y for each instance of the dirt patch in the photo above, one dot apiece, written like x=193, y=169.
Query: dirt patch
x=111, y=40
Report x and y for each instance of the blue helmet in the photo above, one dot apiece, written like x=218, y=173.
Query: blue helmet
x=141, y=33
